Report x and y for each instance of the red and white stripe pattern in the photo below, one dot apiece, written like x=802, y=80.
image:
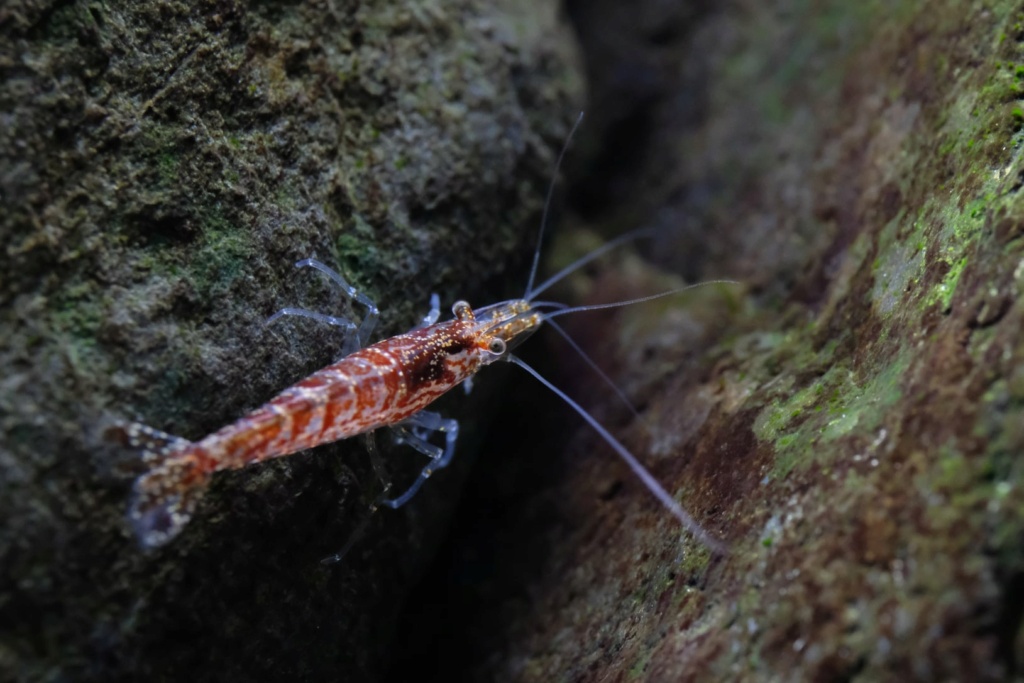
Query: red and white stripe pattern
x=377, y=386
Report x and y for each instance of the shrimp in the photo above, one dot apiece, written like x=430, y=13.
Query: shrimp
x=386, y=384
x=389, y=383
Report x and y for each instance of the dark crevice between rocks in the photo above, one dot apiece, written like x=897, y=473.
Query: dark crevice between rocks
x=636, y=82
x=450, y=619
x=500, y=539
x=1008, y=622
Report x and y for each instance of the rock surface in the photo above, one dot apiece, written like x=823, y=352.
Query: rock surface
x=162, y=166
x=850, y=420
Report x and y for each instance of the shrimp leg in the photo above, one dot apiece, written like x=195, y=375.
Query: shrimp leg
x=414, y=431
x=366, y=327
x=432, y=315
x=336, y=321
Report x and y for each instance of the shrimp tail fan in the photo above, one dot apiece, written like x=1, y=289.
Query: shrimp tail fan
x=165, y=497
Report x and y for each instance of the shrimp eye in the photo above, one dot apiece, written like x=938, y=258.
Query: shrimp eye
x=497, y=346
x=462, y=310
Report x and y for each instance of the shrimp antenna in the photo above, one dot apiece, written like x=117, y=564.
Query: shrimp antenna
x=617, y=304
x=593, y=366
x=353, y=539
x=639, y=233
x=663, y=496
x=547, y=203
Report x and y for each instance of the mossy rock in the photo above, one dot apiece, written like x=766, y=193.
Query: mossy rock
x=162, y=167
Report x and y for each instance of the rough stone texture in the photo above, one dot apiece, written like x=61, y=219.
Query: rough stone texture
x=850, y=420
x=162, y=166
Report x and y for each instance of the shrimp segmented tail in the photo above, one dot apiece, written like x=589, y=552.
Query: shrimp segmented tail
x=164, y=498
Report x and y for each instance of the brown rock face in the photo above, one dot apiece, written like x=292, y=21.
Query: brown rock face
x=849, y=419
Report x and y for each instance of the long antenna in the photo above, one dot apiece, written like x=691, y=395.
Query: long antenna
x=593, y=366
x=639, y=233
x=547, y=203
x=617, y=304
x=663, y=496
